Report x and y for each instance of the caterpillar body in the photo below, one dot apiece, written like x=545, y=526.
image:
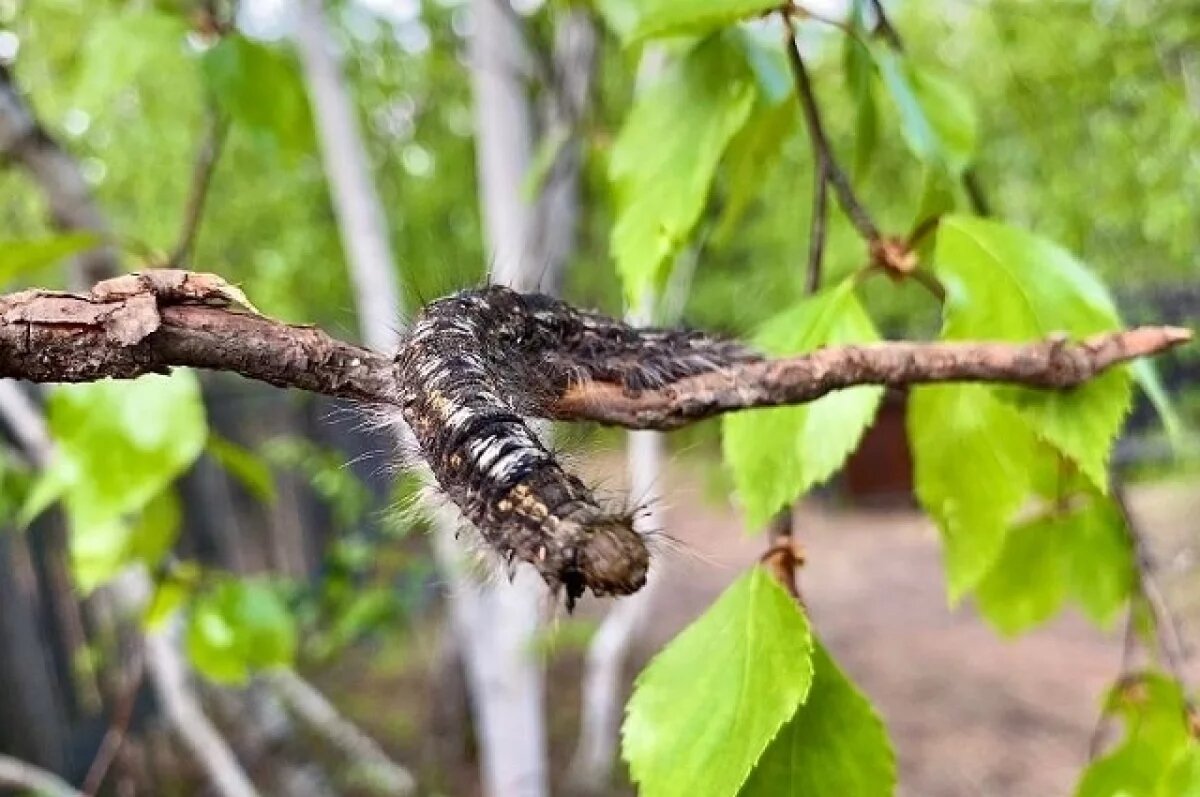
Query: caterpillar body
x=475, y=364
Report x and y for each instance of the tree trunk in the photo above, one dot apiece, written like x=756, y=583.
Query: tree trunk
x=360, y=215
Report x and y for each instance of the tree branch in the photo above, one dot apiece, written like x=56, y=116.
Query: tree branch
x=160, y=319
x=795, y=380
x=372, y=764
x=20, y=775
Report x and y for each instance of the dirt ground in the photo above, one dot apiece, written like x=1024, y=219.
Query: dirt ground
x=970, y=713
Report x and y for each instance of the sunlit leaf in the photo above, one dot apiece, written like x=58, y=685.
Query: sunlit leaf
x=666, y=154
x=937, y=119
x=835, y=744
x=1156, y=738
x=120, y=443
x=777, y=454
x=239, y=627
x=971, y=458
x=710, y=703
x=20, y=258
x=1003, y=283
x=260, y=87
x=674, y=17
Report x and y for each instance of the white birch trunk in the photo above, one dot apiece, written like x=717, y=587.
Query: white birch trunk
x=493, y=625
x=356, y=204
x=496, y=621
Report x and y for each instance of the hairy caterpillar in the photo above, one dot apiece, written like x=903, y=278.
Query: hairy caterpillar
x=475, y=364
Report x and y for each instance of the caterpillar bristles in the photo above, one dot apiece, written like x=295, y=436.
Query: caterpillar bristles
x=474, y=365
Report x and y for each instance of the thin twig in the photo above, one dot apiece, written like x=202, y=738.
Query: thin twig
x=1126, y=668
x=975, y=193
x=1166, y=624
x=970, y=180
x=114, y=737
x=212, y=143
x=855, y=211
x=820, y=215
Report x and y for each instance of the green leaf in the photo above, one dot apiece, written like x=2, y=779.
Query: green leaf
x=260, y=87
x=752, y=154
x=937, y=118
x=99, y=551
x=120, y=443
x=1146, y=375
x=1101, y=562
x=1157, y=738
x=708, y=705
x=657, y=18
x=666, y=154
x=971, y=457
x=860, y=71
x=835, y=744
x=777, y=454
x=1027, y=583
x=119, y=446
x=19, y=258
x=244, y=465
x=1082, y=553
x=1008, y=284
x=238, y=627
x=170, y=593
x=1183, y=777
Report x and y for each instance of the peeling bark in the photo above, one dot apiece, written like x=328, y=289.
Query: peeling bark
x=158, y=320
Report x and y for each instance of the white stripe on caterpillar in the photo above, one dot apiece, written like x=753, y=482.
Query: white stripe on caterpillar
x=474, y=363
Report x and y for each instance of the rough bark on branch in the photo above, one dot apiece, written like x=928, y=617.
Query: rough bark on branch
x=1051, y=364
x=159, y=319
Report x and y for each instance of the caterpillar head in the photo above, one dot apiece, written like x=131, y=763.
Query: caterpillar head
x=605, y=555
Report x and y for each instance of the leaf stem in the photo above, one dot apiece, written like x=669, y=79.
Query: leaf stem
x=825, y=161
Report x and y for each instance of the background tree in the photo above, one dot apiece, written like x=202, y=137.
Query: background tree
x=884, y=166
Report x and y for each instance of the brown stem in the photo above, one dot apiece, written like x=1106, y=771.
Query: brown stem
x=1128, y=647
x=211, y=144
x=160, y=319
x=975, y=193
x=1051, y=363
x=114, y=737
x=820, y=215
x=783, y=555
x=1166, y=624
x=848, y=200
